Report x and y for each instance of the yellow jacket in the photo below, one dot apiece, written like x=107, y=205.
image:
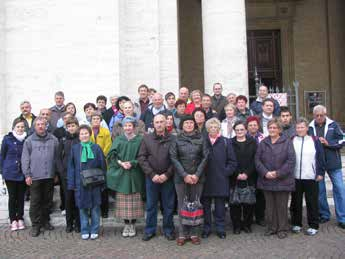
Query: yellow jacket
x=103, y=140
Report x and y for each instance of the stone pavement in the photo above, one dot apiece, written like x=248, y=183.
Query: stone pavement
x=328, y=243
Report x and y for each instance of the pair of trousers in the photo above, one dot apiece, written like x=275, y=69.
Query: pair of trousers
x=105, y=201
x=260, y=205
x=277, y=210
x=41, y=192
x=336, y=177
x=241, y=215
x=16, y=194
x=72, y=211
x=310, y=188
x=62, y=192
x=164, y=192
x=192, y=192
x=86, y=215
x=218, y=214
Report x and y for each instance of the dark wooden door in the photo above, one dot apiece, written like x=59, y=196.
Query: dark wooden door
x=264, y=53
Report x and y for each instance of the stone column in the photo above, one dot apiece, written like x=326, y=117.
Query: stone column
x=168, y=46
x=225, y=45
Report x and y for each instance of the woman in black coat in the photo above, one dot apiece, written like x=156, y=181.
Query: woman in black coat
x=220, y=166
x=245, y=175
x=188, y=155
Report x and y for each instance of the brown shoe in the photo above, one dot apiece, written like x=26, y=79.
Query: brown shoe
x=195, y=240
x=180, y=241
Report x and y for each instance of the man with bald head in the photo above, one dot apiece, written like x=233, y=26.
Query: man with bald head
x=154, y=160
x=184, y=94
x=156, y=107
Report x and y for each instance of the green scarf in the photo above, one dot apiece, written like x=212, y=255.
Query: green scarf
x=86, y=152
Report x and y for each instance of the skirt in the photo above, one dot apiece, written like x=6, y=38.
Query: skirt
x=129, y=206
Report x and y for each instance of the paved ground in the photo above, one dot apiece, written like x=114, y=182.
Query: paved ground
x=328, y=243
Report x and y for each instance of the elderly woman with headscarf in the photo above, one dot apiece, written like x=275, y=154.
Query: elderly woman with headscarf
x=125, y=176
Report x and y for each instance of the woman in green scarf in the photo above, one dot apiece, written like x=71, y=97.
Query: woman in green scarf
x=86, y=155
x=125, y=176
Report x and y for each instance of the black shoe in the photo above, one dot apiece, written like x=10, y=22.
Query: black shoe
x=77, y=229
x=237, y=231
x=270, y=233
x=48, y=226
x=247, y=229
x=35, y=231
x=261, y=223
x=69, y=229
x=221, y=235
x=105, y=215
x=170, y=237
x=147, y=237
x=323, y=220
x=341, y=225
x=205, y=234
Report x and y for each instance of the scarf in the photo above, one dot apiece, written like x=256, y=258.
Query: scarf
x=170, y=128
x=86, y=152
x=19, y=137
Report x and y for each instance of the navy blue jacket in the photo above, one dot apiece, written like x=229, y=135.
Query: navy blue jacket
x=10, y=156
x=256, y=107
x=84, y=197
x=220, y=166
x=334, y=136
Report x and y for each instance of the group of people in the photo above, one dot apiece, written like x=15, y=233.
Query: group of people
x=194, y=148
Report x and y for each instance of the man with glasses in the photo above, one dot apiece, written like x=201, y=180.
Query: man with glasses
x=331, y=137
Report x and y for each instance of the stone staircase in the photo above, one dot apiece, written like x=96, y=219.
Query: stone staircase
x=57, y=219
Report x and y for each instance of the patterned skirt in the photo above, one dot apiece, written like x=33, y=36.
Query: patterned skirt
x=129, y=206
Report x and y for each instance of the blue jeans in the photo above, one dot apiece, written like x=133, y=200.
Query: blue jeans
x=85, y=226
x=336, y=177
x=167, y=192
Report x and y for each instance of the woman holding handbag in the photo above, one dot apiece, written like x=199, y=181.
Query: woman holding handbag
x=85, y=156
x=189, y=156
x=243, y=179
x=125, y=176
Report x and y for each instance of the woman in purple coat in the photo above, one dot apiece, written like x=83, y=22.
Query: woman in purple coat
x=275, y=163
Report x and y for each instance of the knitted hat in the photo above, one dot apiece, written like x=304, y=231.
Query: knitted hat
x=129, y=119
x=186, y=118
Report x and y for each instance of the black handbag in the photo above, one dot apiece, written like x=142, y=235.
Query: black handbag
x=92, y=177
x=192, y=212
x=244, y=195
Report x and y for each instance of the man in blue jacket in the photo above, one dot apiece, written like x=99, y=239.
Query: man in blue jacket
x=331, y=137
x=256, y=106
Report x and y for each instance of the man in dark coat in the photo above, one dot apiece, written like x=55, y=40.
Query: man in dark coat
x=156, y=107
x=218, y=100
x=289, y=128
x=154, y=160
x=57, y=109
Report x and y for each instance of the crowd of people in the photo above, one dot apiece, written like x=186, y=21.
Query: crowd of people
x=194, y=150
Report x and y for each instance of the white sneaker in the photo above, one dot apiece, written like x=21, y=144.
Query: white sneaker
x=63, y=213
x=21, y=224
x=296, y=229
x=85, y=236
x=132, y=231
x=14, y=225
x=125, y=232
x=311, y=231
x=94, y=236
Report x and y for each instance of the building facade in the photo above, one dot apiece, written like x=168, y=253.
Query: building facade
x=86, y=48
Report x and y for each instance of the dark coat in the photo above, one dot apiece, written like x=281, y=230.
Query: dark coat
x=10, y=156
x=56, y=114
x=289, y=130
x=64, y=151
x=84, y=197
x=334, y=136
x=60, y=133
x=153, y=156
x=107, y=114
x=189, y=154
x=221, y=165
x=218, y=104
x=147, y=117
x=278, y=157
x=245, y=155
